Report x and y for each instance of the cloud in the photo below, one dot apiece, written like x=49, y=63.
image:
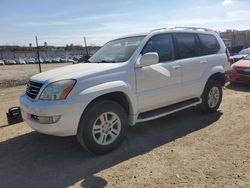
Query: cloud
x=72, y=21
x=227, y=2
x=228, y=20
x=41, y=24
x=100, y=28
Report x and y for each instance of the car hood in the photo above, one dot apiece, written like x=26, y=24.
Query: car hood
x=238, y=56
x=76, y=71
x=242, y=63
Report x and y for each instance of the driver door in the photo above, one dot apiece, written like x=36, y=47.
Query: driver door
x=159, y=85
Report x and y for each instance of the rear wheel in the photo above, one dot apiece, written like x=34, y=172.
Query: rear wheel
x=211, y=97
x=102, y=127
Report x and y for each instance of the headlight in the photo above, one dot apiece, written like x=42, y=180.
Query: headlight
x=57, y=90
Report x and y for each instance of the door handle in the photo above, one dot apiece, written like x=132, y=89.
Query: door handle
x=176, y=66
x=203, y=62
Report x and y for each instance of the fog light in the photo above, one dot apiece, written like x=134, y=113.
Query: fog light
x=46, y=119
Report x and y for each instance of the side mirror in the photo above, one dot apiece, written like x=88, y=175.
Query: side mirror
x=148, y=59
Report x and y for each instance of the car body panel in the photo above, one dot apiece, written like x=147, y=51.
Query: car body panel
x=146, y=88
x=240, y=71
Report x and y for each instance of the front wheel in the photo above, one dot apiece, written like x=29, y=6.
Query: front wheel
x=102, y=127
x=211, y=97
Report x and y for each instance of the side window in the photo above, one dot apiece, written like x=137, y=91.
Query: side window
x=162, y=44
x=187, y=45
x=209, y=44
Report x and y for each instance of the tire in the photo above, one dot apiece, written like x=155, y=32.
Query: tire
x=95, y=130
x=211, y=97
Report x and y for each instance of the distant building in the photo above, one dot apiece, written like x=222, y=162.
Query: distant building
x=30, y=45
x=45, y=44
x=235, y=38
x=228, y=42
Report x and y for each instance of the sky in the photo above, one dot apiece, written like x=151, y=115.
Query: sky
x=61, y=22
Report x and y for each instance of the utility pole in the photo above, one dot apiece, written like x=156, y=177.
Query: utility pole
x=86, y=47
x=233, y=38
x=38, y=55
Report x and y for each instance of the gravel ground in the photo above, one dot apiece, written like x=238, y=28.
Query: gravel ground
x=13, y=75
x=185, y=149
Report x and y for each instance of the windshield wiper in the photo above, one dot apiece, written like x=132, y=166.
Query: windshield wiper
x=105, y=61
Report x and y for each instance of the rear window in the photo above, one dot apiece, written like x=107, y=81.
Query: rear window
x=187, y=45
x=209, y=44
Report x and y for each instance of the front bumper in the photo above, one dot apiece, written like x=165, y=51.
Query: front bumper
x=70, y=113
x=239, y=78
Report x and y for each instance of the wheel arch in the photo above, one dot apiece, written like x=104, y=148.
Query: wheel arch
x=117, y=96
x=219, y=77
x=216, y=73
x=117, y=91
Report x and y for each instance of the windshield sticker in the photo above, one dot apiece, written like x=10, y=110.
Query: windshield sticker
x=133, y=43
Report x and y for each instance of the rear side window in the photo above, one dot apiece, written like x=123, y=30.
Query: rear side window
x=209, y=44
x=187, y=45
x=162, y=44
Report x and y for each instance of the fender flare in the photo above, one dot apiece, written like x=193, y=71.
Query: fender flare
x=212, y=71
x=96, y=91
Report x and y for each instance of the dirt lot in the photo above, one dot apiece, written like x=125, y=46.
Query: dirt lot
x=12, y=75
x=185, y=149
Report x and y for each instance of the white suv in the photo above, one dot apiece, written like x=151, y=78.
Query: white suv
x=131, y=79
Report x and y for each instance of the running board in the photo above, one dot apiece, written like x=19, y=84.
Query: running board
x=160, y=112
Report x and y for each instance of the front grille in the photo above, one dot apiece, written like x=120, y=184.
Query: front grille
x=243, y=70
x=33, y=89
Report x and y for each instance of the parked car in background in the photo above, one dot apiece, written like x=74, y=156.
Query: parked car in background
x=70, y=60
x=63, y=59
x=84, y=58
x=47, y=60
x=20, y=61
x=41, y=60
x=10, y=62
x=56, y=60
x=243, y=53
x=30, y=61
x=76, y=58
x=1, y=62
x=240, y=71
x=66, y=59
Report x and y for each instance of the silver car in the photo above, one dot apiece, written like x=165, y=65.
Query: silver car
x=1, y=62
x=10, y=62
x=21, y=61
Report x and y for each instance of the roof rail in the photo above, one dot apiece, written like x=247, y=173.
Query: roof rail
x=190, y=28
x=183, y=28
x=158, y=29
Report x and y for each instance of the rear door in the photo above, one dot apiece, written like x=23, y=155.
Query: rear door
x=192, y=63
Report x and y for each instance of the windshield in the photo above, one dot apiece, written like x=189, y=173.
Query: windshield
x=247, y=57
x=115, y=51
x=244, y=51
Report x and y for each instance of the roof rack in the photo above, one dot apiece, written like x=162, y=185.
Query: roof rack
x=183, y=28
x=189, y=28
x=158, y=29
